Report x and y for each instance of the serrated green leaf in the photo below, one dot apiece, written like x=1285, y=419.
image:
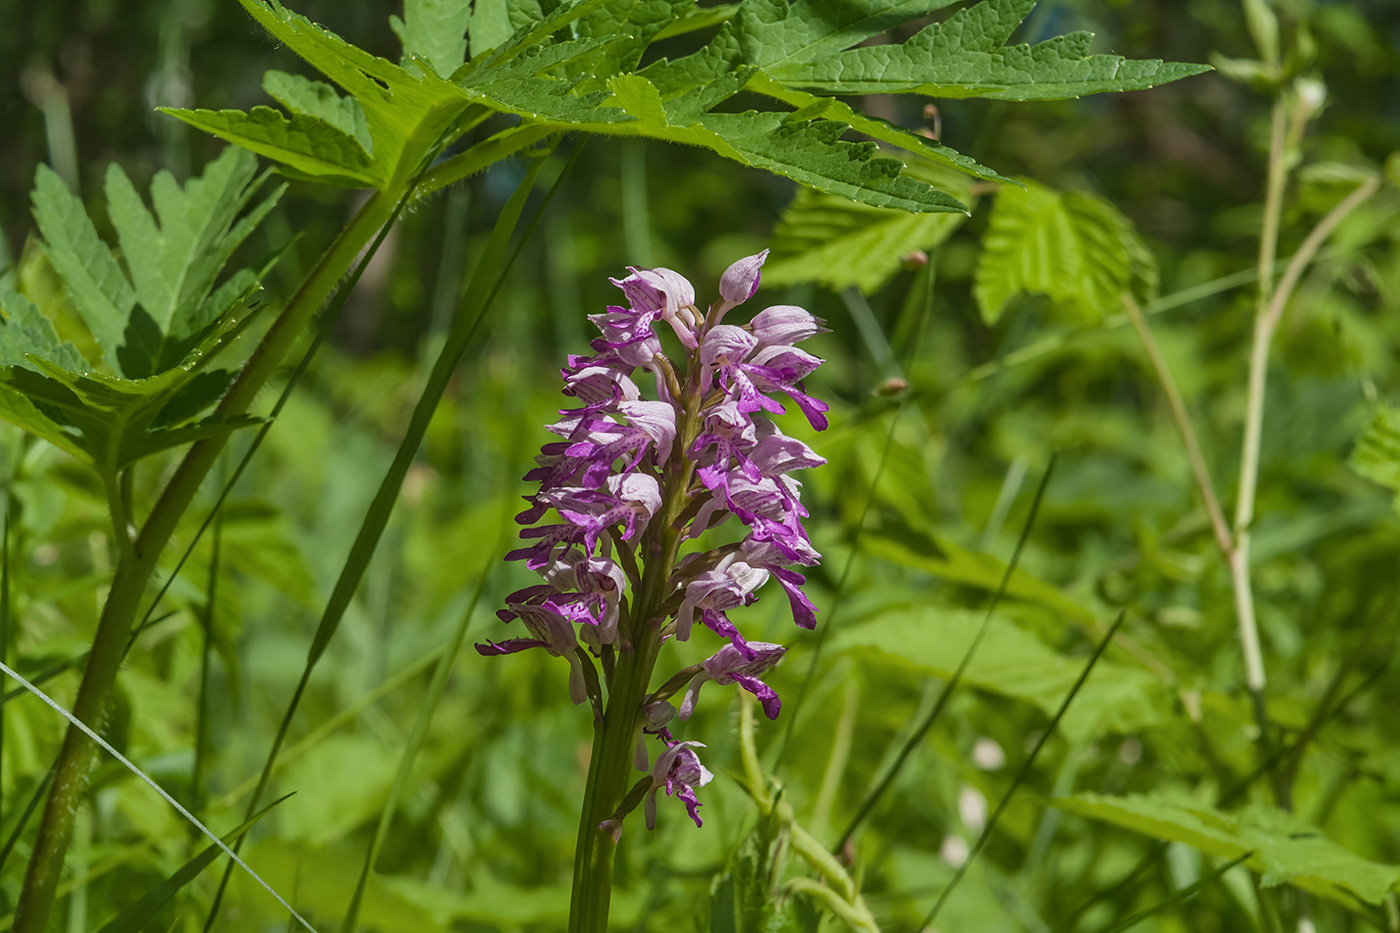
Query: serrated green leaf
x=311, y=147
x=490, y=25
x=319, y=100
x=697, y=18
x=100, y=291
x=809, y=44
x=770, y=34
x=1377, y=452
x=839, y=243
x=25, y=331
x=965, y=57
x=877, y=128
x=405, y=112
x=174, y=322
x=1075, y=248
x=1286, y=848
x=174, y=263
x=114, y=422
x=435, y=31
x=1012, y=663
x=639, y=22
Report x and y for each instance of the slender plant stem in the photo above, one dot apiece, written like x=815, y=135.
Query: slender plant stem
x=1271, y=307
x=202, y=738
x=616, y=734
x=1183, y=426
x=1238, y=556
x=136, y=564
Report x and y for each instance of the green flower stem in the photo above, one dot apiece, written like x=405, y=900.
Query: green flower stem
x=615, y=737
x=136, y=564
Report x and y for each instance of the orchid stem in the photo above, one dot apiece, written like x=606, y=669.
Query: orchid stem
x=616, y=735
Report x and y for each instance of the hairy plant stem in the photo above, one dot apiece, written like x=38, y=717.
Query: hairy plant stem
x=615, y=735
x=137, y=562
x=1238, y=557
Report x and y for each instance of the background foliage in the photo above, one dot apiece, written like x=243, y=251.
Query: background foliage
x=1025, y=352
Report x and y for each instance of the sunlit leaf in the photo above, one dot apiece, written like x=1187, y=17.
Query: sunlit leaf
x=1075, y=248
x=1287, y=848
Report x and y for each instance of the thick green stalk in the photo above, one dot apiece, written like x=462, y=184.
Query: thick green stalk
x=610, y=770
x=135, y=566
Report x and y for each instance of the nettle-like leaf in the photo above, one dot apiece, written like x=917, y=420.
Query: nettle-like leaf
x=434, y=31
x=810, y=44
x=840, y=243
x=1286, y=849
x=158, y=322
x=1377, y=453
x=522, y=63
x=1075, y=248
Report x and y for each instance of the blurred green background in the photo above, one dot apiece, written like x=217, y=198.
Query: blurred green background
x=484, y=838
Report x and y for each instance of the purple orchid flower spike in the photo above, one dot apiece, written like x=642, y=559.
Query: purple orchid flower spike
x=730, y=666
x=626, y=488
x=678, y=769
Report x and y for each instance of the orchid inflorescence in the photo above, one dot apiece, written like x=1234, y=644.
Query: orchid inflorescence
x=631, y=480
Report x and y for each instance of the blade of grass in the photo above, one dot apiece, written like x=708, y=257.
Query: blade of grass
x=198, y=793
x=29, y=809
x=824, y=630
x=322, y=731
x=917, y=736
x=411, y=749
x=137, y=915
x=1024, y=771
x=1178, y=896
x=475, y=302
x=165, y=795
x=4, y=621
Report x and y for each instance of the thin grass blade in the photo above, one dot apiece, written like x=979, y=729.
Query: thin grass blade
x=1025, y=770
x=410, y=752
x=917, y=736
x=1178, y=896
x=137, y=915
x=23, y=821
x=165, y=795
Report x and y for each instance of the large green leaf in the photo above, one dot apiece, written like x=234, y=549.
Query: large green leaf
x=1075, y=248
x=175, y=257
x=839, y=243
x=405, y=112
x=1286, y=848
x=965, y=57
x=768, y=46
x=1011, y=662
x=158, y=330
x=435, y=31
x=319, y=100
